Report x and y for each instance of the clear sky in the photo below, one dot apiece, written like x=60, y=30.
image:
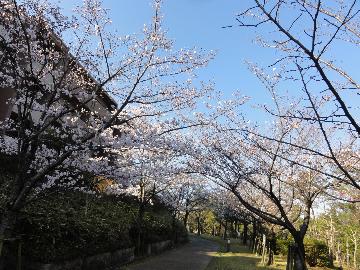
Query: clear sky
x=199, y=23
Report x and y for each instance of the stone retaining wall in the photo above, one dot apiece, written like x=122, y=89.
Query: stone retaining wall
x=95, y=262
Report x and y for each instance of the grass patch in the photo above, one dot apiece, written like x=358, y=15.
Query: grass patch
x=240, y=258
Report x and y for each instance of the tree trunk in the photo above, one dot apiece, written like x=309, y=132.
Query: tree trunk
x=259, y=245
x=225, y=231
x=272, y=247
x=245, y=233
x=263, y=249
x=299, y=255
x=290, y=258
x=139, y=236
x=338, y=256
x=256, y=245
x=7, y=225
x=270, y=253
x=140, y=218
x=347, y=253
x=253, y=237
x=236, y=229
x=331, y=244
x=198, y=225
x=186, y=217
x=355, y=252
x=174, y=227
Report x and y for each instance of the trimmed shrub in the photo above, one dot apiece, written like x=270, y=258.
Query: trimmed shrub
x=73, y=224
x=282, y=246
x=317, y=253
x=70, y=224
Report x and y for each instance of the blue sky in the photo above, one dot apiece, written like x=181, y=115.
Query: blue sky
x=199, y=23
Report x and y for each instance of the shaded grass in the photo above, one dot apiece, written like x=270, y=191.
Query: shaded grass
x=239, y=258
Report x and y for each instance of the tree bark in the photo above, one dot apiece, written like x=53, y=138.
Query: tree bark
x=299, y=254
x=355, y=252
x=258, y=245
x=186, y=217
x=7, y=225
x=339, y=257
x=263, y=249
x=139, y=236
x=245, y=233
x=139, y=222
x=290, y=258
x=253, y=237
x=174, y=227
x=225, y=231
x=347, y=253
x=236, y=229
x=270, y=254
x=272, y=247
x=198, y=225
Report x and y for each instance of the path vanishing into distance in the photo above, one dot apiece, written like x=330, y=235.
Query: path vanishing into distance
x=194, y=255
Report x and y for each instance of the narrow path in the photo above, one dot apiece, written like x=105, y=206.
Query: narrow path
x=195, y=255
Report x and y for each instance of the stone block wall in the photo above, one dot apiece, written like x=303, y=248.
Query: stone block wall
x=95, y=262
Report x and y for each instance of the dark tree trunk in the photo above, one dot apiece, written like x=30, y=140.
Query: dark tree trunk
x=299, y=252
x=270, y=253
x=245, y=233
x=7, y=225
x=253, y=238
x=139, y=233
x=272, y=248
x=186, y=217
x=290, y=258
x=299, y=257
x=225, y=231
x=236, y=228
x=174, y=227
x=258, y=245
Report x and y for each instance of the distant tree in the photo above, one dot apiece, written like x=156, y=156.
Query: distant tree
x=339, y=227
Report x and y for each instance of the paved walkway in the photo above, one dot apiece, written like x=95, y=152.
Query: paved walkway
x=192, y=256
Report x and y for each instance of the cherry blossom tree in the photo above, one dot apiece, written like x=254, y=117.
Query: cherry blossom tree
x=186, y=195
x=87, y=104
x=267, y=177
x=307, y=34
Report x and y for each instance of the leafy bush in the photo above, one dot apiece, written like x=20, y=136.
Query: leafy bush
x=73, y=224
x=157, y=226
x=317, y=253
x=282, y=246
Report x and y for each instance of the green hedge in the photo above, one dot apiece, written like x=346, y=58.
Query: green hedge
x=317, y=253
x=282, y=246
x=72, y=224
